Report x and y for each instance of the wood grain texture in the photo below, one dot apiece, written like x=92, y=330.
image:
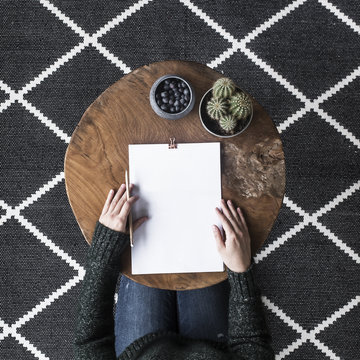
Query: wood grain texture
x=253, y=166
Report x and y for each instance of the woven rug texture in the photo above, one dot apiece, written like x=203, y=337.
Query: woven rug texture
x=299, y=59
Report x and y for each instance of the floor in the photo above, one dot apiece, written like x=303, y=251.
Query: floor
x=299, y=59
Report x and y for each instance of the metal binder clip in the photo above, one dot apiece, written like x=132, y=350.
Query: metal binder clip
x=172, y=144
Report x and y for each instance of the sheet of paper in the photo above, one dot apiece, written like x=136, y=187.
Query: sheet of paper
x=179, y=190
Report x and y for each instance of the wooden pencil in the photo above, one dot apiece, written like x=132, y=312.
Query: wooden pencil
x=130, y=216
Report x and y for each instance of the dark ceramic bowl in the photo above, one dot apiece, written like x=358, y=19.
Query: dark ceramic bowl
x=168, y=115
x=212, y=126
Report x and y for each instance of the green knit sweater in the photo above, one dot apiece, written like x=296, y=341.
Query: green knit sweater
x=94, y=338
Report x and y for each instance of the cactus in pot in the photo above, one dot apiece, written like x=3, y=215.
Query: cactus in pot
x=228, y=123
x=217, y=107
x=228, y=108
x=223, y=88
x=240, y=105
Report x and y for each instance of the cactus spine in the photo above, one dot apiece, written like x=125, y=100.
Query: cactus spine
x=216, y=107
x=223, y=87
x=228, y=123
x=240, y=105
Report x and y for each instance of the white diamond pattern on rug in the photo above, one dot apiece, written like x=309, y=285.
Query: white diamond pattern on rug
x=92, y=15
x=31, y=39
x=281, y=332
x=179, y=37
x=52, y=323
x=284, y=56
x=325, y=37
x=309, y=263
x=338, y=334
x=310, y=145
x=29, y=269
x=338, y=106
x=343, y=221
x=30, y=154
x=247, y=17
x=51, y=207
x=78, y=83
x=349, y=8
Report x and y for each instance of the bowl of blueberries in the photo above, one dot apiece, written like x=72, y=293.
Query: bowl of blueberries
x=172, y=97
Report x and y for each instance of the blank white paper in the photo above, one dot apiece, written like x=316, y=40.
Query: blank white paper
x=179, y=190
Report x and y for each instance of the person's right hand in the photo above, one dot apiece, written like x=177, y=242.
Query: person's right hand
x=235, y=249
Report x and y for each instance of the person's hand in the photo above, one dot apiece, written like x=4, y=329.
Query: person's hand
x=235, y=249
x=116, y=210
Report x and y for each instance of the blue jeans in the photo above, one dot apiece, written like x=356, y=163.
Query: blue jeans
x=198, y=314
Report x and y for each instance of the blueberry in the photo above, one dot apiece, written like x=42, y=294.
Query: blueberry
x=176, y=93
x=158, y=96
x=185, y=104
x=167, y=81
x=159, y=102
x=183, y=84
x=186, y=91
x=172, y=109
x=176, y=103
x=177, y=108
x=165, y=100
x=172, y=85
x=164, y=94
x=172, y=97
x=171, y=101
x=170, y=92
x=179, y=85
x=186, y=98
x=164, y=107
x=180, y=90
x=166, y=87
x=182, y=101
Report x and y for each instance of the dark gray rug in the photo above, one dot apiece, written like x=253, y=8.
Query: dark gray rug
x=300, y=60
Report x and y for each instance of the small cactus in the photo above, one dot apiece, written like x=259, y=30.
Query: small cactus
x=240, y=105
x=216, y=107
x=223, y=87
x=228, y=123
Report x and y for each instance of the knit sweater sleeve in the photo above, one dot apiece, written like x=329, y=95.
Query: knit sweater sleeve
x=94, y=336
x=248, y=333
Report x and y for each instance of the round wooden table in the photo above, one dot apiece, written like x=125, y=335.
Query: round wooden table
x=253, y=166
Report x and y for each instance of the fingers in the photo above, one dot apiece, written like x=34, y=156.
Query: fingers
x=229, y=214
x=121, y=202
x=137, y=223
x=233, y=211
x=224, y=221
x=218, y=238
x=125, y=210
x=108, y=201
x=243, y=222
x=119, y=199
x=117, y=196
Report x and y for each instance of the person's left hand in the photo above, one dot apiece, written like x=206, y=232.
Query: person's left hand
x=116, y=210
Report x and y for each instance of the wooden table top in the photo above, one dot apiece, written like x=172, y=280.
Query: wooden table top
x=253, y=165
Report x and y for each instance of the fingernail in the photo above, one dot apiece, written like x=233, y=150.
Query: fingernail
x=229, y=202
x=111, y=190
